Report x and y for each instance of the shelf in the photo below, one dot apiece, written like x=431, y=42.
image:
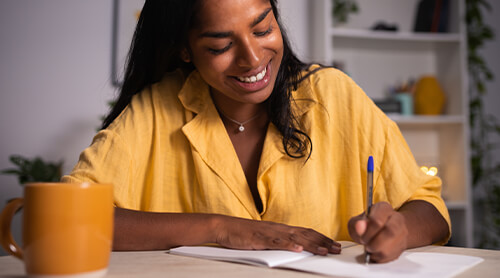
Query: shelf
x=427, y=120
x=379, y=60
x=396, y=36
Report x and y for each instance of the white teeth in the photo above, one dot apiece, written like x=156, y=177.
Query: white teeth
x=252, y=79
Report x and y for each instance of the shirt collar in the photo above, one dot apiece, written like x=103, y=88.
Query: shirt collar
x=195, y=93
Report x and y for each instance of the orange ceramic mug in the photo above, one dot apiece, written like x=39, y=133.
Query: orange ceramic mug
x=67, y=229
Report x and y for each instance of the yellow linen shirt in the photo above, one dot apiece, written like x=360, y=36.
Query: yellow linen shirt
x=168, y=151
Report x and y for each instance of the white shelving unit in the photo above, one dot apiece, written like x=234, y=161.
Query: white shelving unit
x=377, y=60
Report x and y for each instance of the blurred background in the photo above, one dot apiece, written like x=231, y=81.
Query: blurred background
x=56, y=76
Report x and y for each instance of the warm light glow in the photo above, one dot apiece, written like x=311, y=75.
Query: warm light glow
x=432, y=171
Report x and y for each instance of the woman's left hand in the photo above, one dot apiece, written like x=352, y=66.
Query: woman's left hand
x=384, y=232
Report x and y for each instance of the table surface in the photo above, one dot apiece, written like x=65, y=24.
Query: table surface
x=161, y=264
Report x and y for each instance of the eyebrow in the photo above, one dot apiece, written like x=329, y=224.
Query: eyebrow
x=260, y=18
x=220, y=35
x=217, y=35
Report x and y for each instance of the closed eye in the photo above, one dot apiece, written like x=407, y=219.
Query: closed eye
x=221, y=50
x=261, y=34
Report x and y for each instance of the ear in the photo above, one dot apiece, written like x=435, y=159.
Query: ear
x=185, y=55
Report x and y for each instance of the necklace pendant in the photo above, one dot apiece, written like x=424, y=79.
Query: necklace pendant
x=241, y=128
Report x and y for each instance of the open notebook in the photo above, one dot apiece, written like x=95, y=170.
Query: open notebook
x=348, y=264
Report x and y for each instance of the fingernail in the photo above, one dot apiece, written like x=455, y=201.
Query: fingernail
x=337, y=244
x=298, y=247
x=335, y=249
x=322, y=250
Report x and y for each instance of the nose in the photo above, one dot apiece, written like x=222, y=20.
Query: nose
x=249, y=53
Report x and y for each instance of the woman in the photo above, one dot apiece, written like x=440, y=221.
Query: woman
x=221, y=135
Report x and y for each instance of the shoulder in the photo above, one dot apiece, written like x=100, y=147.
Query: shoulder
x=326, y=82
x=333, y=89
x=344, y=102
x=153, y=103
x=320, y=73
x=170, y=84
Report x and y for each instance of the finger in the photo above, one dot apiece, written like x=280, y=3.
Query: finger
x=385, y=254
x=280, y=243
x=360, y=227
x=314, y=242
x=390, y=242
x=311, y=242
x=321, y=239
x=320, y=249
x=326, y=242
x=279, y=236
x=282, y=237
x=353, y=231
x=261, y=241
x=376, y=221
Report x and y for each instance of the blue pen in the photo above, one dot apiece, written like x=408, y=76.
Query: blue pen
x=369, y=194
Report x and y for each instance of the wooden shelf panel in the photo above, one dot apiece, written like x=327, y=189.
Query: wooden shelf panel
x=457, y=205
x=428, y=120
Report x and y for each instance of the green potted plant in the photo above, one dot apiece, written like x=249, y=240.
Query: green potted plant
x=342, y=9
x=34, y=170
x=483, y=128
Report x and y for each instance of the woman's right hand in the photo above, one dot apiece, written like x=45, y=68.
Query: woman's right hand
x=240, y=233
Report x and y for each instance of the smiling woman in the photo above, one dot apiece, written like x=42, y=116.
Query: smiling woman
x=211, y=141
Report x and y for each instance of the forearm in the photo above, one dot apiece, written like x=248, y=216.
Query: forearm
x=424, y=223
x=137, y=230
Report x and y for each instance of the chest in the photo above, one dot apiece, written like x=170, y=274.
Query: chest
x=248, y=144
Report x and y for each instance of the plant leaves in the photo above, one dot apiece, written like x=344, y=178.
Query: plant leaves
x=34, y=170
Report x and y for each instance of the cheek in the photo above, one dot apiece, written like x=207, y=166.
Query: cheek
x=211, y=65
x=276, y=46
x=276, y=41
x=213, y=69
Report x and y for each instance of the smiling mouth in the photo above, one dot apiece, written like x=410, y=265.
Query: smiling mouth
x=252, y=79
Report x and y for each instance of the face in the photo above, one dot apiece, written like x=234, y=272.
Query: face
x=237, y=47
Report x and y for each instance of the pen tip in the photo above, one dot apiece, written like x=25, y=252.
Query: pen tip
x=370, y=164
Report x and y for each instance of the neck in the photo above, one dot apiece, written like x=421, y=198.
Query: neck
x=235, y=110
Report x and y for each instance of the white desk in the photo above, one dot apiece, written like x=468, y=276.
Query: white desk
x=161, y=264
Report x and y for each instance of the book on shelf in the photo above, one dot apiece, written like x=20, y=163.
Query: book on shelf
x=389, y=105
x=432, y=16
x=350, y=263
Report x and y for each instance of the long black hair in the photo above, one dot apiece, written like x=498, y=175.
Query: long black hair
x=159, y=37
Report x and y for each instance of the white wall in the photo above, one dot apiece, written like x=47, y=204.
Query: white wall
x=294, y=14
x=54, y=80
x=55, y=76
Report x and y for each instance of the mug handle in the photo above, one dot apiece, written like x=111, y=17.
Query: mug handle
x=7, y=241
